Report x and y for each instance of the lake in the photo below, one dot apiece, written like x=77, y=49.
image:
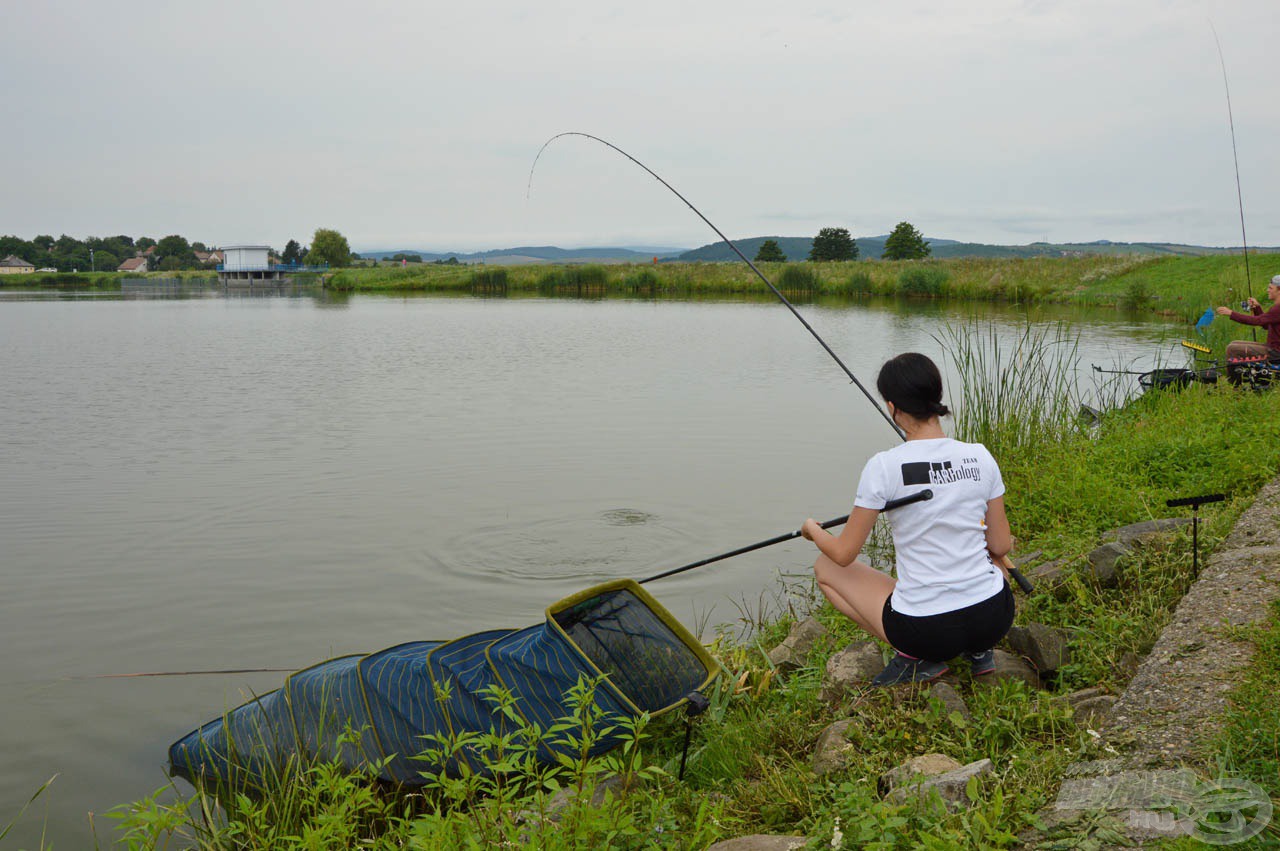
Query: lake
x=227, y=481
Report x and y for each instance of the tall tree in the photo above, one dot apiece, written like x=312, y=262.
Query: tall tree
x=292, y=252
x=329, y=246
x=174, y=252
x=905, y=243
x=833, y=244
x=770, y=252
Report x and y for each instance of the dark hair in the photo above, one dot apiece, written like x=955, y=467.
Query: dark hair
x=913, y=384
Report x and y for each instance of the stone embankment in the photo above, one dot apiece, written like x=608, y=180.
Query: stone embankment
x=1162, y=728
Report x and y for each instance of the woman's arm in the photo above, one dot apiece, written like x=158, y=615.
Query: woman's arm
x=845, y=548
x=999, y=538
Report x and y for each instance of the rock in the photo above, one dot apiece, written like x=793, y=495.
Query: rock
x=1083, y=694
x=1029, y=558
x=950, y=698
x=833, y=751
x=793, y=652
x=1127, y=665
x=1049, y=575
x=1045, y=646
x=927, y=765
x=1010, y=666
x=1105, y=563
x=852, y=667
x=613, y=783
x=951, y=787
x=760, y=842
x=1146, y=532
x=1093, y=713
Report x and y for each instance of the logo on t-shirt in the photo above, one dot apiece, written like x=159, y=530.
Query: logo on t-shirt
x=939, y=472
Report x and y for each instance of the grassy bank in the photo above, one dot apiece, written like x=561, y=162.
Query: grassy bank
x=749, y=769
x=1182, y=286
x=93, y=280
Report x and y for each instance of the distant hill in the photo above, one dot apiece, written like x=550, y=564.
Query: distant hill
x=537, y=254
x=871, y=247
x=797, y=248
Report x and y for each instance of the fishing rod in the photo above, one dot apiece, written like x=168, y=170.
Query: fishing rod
x=1235, y=158
x=731, y=244
x=182, y=673
x=1021, y=580
x=918, y=496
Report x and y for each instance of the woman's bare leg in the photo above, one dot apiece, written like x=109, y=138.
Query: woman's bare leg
x=858, y=591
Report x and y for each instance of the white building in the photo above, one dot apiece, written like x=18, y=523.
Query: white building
x=246, y=258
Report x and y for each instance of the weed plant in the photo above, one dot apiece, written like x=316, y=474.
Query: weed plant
x=798, y=278
x=1015, y=393
x=922, y=280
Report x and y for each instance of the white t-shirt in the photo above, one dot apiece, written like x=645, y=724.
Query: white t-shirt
x=941, y=543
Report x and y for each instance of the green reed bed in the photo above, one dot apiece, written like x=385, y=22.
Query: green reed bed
x=1181, y=286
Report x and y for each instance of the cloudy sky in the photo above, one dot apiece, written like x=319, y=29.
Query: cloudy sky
x=411, y=124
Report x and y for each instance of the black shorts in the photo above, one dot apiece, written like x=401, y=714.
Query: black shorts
x=937, y=638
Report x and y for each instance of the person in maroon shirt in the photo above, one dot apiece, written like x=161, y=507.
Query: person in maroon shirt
x=1269, y=319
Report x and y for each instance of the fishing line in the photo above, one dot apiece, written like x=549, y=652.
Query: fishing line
x=1017, y=575
x=729, y=242
x=1235, y=158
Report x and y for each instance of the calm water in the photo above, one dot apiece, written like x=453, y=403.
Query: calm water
x=267, y=482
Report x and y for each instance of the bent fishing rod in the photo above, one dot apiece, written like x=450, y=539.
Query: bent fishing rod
x=1013, y=571
x=1235, y=159
x=730, y=243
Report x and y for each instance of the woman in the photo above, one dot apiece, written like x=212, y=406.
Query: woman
x=950, y=597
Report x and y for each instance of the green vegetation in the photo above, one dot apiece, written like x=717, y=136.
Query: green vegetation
x=1176, y=286
x=798, y=279
x=833, y=245
x=329, y=246
x=905, y=243
x=922, y=280
x=770, y=252
x=1249, y=744
x=749, y=769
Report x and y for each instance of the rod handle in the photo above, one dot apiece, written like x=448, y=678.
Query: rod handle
x=1023, y=582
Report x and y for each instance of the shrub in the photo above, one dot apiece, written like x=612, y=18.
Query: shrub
x=922, y=280
x=798, y=278
x=1136, y=295
x=642, y=280
x=491, y=279
x=859, y=282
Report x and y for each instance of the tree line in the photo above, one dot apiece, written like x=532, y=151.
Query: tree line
x=835, y=244
x=169, y=254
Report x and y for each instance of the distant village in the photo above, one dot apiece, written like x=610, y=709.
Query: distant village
x=173, y=253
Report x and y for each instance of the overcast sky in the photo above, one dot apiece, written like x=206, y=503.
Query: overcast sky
x=414, y=125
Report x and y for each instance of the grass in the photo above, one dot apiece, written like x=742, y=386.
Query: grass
x=1177, y=286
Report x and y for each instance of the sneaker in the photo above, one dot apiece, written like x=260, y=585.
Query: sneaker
x=982, y=663
x=904, y=669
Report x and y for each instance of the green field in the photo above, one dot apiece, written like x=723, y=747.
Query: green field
x=1178, y=286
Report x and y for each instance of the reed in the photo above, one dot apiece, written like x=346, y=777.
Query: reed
x=798, y=278
x=491, y=280
x=922, y=280
x=1014, y=393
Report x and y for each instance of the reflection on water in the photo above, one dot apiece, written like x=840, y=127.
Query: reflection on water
x=219, y=479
